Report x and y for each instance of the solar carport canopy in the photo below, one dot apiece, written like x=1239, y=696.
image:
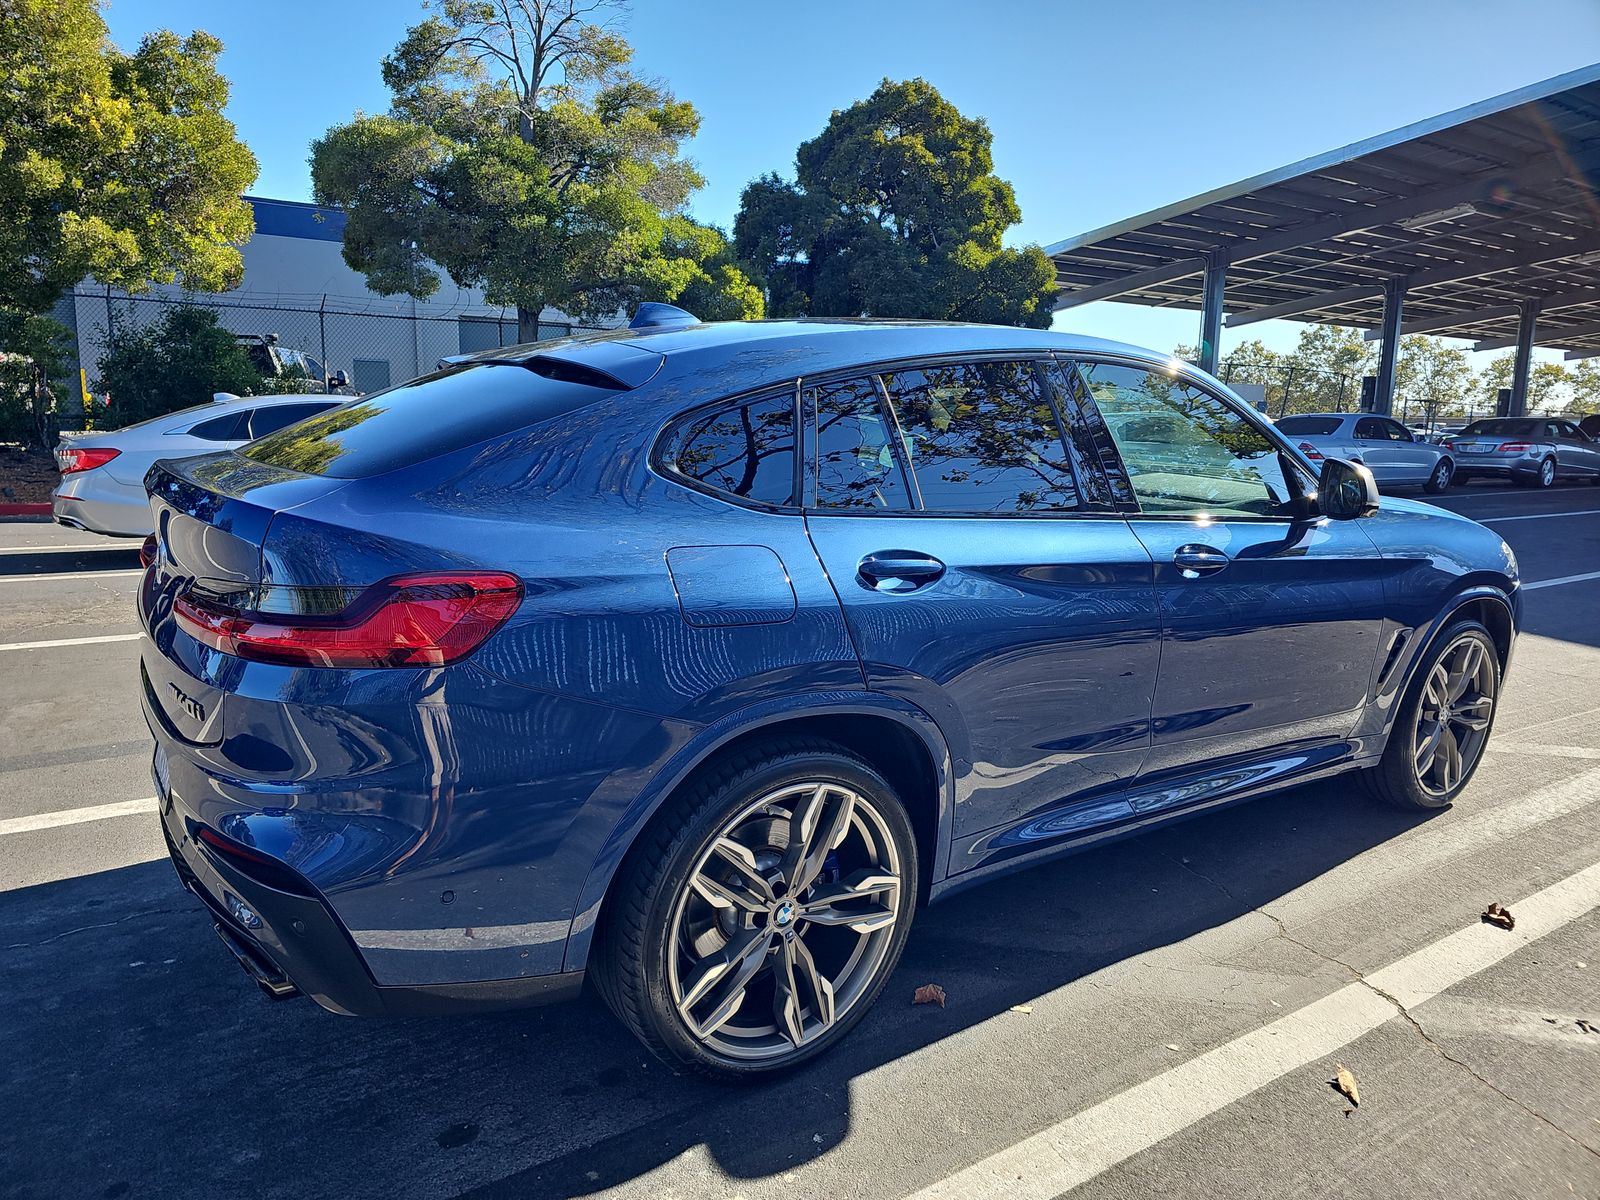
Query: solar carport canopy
x=1467, y=223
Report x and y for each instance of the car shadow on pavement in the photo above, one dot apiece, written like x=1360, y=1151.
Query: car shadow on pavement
x=142, y=1062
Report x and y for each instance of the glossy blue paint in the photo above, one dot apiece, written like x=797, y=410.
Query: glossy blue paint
x=1059, y=680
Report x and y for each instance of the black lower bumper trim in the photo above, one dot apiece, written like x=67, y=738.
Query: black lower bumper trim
x=294, y=944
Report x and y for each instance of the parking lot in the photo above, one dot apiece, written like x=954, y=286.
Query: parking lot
x=1157, y=1017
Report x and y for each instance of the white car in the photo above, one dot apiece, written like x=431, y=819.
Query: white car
x=102, y=474
x=1395, y=456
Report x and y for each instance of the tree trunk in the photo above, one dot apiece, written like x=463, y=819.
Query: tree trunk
x=527, y=324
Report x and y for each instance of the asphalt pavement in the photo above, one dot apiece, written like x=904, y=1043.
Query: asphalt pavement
x=1159, y=1017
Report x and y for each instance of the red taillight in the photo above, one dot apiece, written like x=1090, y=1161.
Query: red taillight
x=1513, y=447
x=408, y=621
x=72, y=459
x=147, y=552
x=1310, y=451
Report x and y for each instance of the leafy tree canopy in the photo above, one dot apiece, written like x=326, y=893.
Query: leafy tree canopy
x=119, y=166
x=895, y=212
x=182, y=359
x=522, y=156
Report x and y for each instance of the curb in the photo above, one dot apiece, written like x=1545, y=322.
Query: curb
x=24, y=510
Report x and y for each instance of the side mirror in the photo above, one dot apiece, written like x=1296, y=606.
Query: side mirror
x=1346, y=490
x=338, y=380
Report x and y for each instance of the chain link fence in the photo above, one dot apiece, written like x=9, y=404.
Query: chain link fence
x=374, y=346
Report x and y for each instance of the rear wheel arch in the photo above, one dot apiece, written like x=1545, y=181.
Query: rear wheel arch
x=906, y=748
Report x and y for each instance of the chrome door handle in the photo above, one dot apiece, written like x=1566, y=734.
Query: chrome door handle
x=898, y=570
x=1195, y=561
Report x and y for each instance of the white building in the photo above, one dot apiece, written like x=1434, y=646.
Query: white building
x=297, y=285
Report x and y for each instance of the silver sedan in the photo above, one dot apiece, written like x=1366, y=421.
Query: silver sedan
x=102, y=474
x=1527, y=450
x=1394, y=455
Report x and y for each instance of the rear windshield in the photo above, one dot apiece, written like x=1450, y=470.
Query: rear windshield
x=1501, y=427
x=421, y=419
x=1309, y=426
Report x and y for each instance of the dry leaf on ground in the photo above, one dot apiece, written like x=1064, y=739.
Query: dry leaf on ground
x=928, y=993
x=1022, y=1008
x=1588, y=1026
x=1496, y=914
x=1346, y=1083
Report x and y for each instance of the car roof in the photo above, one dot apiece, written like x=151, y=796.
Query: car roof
x=737, y=354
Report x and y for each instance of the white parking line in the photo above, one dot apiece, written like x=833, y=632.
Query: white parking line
x=1093, y=1141
x=70, y=575
x=1544, y=583
x=1584, y=512
x=77, y=816
x=130, y=544
x=83, y=641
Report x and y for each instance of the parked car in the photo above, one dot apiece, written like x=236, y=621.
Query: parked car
x=102, y=474
x=1534, y=451
x=1395, y=456
x=690, y=660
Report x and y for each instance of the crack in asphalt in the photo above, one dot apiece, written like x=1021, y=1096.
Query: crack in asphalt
x=65, y=933
x=1357, y=976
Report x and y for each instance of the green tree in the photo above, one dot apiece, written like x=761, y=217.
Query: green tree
x=522, y=156
x=1431, y=379
x=180, y=360
x=119, y=166
x=1328, y=363
x=1584, y=379
x=895, y=212
x=1546, y=382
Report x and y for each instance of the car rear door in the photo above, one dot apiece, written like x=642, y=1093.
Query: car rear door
x=987, y=579
x=1381, y=453
x=1271, y=621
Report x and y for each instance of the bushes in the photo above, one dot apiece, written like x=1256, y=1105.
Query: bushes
x=34, y=352
x=180, y=360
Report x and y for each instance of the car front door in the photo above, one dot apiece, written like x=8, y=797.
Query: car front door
x=987, y=579
x=1576, y=454
x=1380, y=452
x=1417, y=458
x=1271, y=619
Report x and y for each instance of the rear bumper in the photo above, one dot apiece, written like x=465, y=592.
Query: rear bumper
x=1496, y=464
x=290, y=942
x=113, y=516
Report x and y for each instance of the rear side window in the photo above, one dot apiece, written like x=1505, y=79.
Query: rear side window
x=230, y=427
x=857, y=467
x=982, y=438
x=1309, y=426
x=273, y=417
x=746, y=452
x=421, y=419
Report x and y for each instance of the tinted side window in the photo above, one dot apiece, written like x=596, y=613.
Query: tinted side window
x=1397, y=432
x=230, y=427
x=982, y=438
x=747, y=451
x=1309, y=426
x=857, y=466
x=1186, y=451
x=1370, y=429
x=274, y=417
x=420, y=420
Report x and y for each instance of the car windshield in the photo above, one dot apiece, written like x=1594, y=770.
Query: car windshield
x=1309, y=426
x=1502, y=427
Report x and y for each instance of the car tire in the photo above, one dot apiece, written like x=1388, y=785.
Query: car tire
x=1546, y=476
x=1403, y=776
x=707, y=956
x=1442, y=476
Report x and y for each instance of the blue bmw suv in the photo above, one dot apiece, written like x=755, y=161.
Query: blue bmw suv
x=689, y=659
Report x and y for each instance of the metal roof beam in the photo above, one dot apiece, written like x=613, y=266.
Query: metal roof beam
x=1421, y=279
x=1575, y=355
x=1449, y=321
x=1165, y=273
x=1552, y=335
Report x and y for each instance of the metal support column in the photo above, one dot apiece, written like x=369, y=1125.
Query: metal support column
x=1394, y=302
x=1216, y=279
x=1523, y=362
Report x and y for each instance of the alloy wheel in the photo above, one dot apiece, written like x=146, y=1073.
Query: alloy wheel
x=1547, y=473
x=1441, y=475
x=785, y=921
x=1454, y=716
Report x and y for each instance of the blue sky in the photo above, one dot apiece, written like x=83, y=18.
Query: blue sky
x=1100, y=110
